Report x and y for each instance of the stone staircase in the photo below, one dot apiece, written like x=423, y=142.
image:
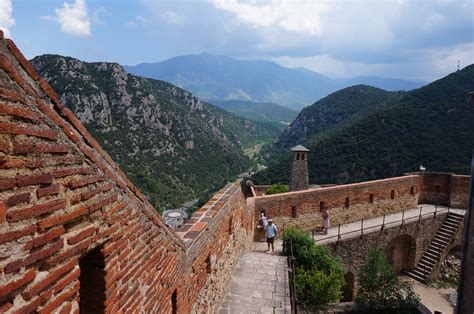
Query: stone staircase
x=431, y=256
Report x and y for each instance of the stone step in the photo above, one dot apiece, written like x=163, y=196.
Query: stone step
x=454, y=220
x=456, y=215
x=439, y=243
x=442, y=237
x=450, y=225
x=417, y=276
x=429, y=258
x=425, y=266
x=445, y=233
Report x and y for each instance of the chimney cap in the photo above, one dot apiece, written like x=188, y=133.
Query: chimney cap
x=299, y=148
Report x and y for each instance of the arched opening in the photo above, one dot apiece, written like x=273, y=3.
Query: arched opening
x=401, y=253
x=348, y=292
x=92, y=280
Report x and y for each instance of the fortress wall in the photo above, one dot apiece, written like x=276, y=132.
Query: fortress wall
x=436, y=188
x=459, y=191
x=69, y=217
x=303, y=208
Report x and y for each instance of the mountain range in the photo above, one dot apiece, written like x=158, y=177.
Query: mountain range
x=172, y=145
x=215, y=77
x=362, y=133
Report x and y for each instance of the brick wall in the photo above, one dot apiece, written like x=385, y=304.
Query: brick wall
x=445, y=188
x=345, y=203
x=69, y=217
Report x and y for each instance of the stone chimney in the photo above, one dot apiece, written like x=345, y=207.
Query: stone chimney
x=299, y=168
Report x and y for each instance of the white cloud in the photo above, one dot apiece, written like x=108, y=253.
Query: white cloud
x=172, y=17
x=294, y=16
x=74, y=18
x=139, y=20
x=6, y=19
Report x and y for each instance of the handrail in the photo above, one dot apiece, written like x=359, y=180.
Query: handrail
x=288, y=248
x=383, y=225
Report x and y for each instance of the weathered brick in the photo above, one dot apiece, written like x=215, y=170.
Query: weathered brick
x=70, y=252
x=71, y=277
x=59, y=299
x=14, y=75
x=57, y=119
x=66, y=309
x=84, y=181
x=13, y=267
x=46, y=178
x=50, y=93
x=18, y=112
x=30, y=307
x=102, y=203
x=7, y=184
x=104, y=188
x=16, y=234
x=13, y=128
x=43, y=253
x=36, y=210
x=3, y=212
x=18, y=199
x=12, y=163
x=11, y=95
x=52, y=277
x=65, y=172
x=45, y=238
x=81, y=235
x=50, y=190
x=12, y=285
x=25, y=148
x=22, y=60
x=62, y=219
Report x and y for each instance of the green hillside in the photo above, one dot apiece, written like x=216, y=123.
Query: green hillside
x=431, y=126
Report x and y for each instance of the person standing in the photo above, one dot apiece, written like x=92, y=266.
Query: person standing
x=271, y=233
x=263, y=224
x=326, y=223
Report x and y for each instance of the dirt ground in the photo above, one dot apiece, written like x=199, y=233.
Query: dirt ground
x=433, y=298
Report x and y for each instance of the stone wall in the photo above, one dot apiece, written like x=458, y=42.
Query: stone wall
x=459, y=191
x=345, y=203
x=445, y=189
x=70, y=219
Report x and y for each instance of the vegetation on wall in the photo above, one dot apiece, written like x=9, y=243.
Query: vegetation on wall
x=381, y=290
x=319, y=275
x=276, y=188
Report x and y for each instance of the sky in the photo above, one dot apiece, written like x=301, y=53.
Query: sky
x=417, y=40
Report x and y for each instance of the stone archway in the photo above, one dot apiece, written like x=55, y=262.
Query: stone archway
x=401, y=253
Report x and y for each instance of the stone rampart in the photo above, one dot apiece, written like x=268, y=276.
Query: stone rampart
x=76, y=234
x=345, y=203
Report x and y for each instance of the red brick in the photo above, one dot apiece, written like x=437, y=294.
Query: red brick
x=104, y=188
x=30, y=307
x=52, y=277
x=106, y=201
x=6, y=305
x=77, y=249
x=22, y=60
x=25, y=148
x=84, y=181
x=7, y=184
x=36, y=210
x=13, y=285
x=59, y=299
x=45, y=238
x=57, y=119
x=64, y=172
x=12, y=163
x=3, y=212
x=48, y=90
x=18, y=112
x=62, y=219
x=14, y=128
x=81, y=235
x=18, y=199
x=13, y=267
x=43, y=253
x=46, y=178
x=14, y=75
x=10, y=95
x=66, y=309
x=50, y=190
x=61, y=284
x=16, y=234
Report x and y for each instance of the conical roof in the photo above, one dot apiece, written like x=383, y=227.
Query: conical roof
x=299, y=148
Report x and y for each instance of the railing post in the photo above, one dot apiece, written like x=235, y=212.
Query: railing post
x=383, y=223
x=403, y=216
x=436, y=210
x=419, y=216
x=338, y=232
x=362, y=227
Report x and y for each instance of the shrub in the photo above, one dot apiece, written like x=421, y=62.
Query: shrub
x=380, y=289
x=277, y=188
x=319, y=275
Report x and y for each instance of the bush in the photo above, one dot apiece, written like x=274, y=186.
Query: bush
x=276, y=188
x=381, y=290
x=319, y=276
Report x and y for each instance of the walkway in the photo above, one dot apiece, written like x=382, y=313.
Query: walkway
x=351, y=230
x=259, y=283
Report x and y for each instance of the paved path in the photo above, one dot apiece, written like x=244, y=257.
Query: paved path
x=353, y=229
x=259, y=283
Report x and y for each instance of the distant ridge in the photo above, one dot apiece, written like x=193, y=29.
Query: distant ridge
x=215, y=77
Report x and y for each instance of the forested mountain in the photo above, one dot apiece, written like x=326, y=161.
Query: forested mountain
x=168, y=142
x=271, y=113
x=213, y=77
x=431, y=126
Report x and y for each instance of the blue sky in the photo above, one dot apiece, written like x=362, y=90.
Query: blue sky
x=391, y=38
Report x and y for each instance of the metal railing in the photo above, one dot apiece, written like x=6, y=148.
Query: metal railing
x=383, y=225
x=288, y=249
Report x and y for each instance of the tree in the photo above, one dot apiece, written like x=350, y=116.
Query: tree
x=381, y=290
